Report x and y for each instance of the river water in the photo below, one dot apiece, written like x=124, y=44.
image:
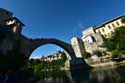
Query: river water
x=98, y=75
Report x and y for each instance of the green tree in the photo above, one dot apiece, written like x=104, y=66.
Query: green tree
x=98, y=53
x=31, y=63
x=109, y=44
x=38, y=67
x=86, y=55
x=115, y=54
x=117, y=40
x=123, y=19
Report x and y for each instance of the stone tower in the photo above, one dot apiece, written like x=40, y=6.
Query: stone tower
x=77, y=46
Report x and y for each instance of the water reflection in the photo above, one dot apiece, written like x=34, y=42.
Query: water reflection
x=104, y=76
x=108, y=75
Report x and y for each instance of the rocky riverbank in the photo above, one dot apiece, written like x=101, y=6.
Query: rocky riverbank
x=109, y=63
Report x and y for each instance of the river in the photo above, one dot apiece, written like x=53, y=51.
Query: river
x=98, y=75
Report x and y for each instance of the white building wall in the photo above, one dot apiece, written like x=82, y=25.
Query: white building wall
x=107, y=28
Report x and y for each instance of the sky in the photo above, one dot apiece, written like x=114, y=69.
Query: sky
x=61, y=19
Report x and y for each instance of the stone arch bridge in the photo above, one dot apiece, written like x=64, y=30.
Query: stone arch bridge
x=17, y=48
x=27, y=46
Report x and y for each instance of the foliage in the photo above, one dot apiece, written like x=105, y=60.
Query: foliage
x=117, y=41
x=123, y=20
x=38, y=65
x=109, y=44
x=115, y=54
x=86, y=55
x=104, y=53
x=98, y=53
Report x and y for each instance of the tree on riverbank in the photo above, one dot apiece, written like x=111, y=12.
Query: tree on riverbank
x=86, y=55
x=98, y=53
x=37, y=64
x=116, y=43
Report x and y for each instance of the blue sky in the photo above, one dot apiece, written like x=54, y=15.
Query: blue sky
x=61, y=19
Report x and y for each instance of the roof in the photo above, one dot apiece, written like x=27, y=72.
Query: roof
x=16, y=20
x=122, y=16
x=2, y=10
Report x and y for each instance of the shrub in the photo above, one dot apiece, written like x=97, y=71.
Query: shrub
x=98, y=53
x=86, y=55
x=115, y=54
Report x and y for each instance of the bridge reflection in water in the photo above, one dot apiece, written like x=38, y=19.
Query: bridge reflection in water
x=109, y=75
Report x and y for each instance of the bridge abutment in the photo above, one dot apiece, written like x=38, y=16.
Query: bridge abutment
x=79, y=63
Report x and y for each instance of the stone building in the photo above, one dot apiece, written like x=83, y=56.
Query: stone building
x=92, y=36
x=55, y=56
x=77, y=45
x=107, y=28
x=4, y=14
x=7, y=19
x=92, y=40
x=15, y=24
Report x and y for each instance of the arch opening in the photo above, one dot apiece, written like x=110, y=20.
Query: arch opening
x=40, y=42
x=48, y=50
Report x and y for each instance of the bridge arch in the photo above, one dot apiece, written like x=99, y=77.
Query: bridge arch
x=28, y=46
x=40, y=42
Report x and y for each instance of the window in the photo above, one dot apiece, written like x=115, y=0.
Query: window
x=117, y=23
x=99, y=31
x=103, y=30
x=113, y=25
x=109, y=26
x=93, y=39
